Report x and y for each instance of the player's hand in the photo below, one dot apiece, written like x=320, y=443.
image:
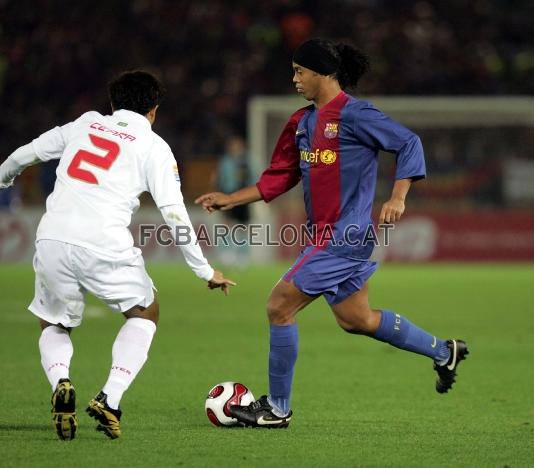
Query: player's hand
x=215, y=201
x=391, y=211
x=219, y=281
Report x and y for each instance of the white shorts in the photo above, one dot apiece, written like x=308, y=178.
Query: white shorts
x=64, y=273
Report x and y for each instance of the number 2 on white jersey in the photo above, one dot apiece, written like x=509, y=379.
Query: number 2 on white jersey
x=104, y=162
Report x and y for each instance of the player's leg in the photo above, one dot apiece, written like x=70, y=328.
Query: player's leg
x=354, y=315
x=129, y=354
x=58, y=304
x=273, y=411
x=125, y=286
x=284, y=302
x=130, y=350
x=55, y=347
x=56, y=351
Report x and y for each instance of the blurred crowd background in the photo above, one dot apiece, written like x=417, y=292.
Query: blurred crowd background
x=56, y=58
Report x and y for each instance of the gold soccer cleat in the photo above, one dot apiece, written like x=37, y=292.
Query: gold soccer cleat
x=108, y=418
x=64, y=410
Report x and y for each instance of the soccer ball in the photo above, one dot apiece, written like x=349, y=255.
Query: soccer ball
x=221, y=397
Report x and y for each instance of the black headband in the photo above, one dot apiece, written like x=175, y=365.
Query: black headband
x=311, y=54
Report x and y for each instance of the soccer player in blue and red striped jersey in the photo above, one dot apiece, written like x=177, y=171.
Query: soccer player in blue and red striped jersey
x=332, y=147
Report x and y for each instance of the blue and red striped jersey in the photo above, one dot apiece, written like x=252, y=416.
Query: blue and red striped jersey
x=334, y=150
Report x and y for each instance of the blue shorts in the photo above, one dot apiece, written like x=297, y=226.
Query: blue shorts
x=317, y=272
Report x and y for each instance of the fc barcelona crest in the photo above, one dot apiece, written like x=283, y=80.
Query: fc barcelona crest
x=330, y=131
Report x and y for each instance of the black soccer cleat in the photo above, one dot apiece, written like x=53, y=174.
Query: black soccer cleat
x=260, y=414
x=64, y=410
x=447, y=372
x=108, y=418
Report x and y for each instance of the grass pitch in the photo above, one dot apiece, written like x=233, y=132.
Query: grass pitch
x=357, y=402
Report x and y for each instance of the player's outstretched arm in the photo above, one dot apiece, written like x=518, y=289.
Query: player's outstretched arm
x=19, y=160
x=219, y=281
x=393, y=209
x=222, y=201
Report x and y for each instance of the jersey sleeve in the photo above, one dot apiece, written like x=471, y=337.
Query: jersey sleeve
x=17, y=161
x=50, y=144
x=164, y=185
x=284, y=171
x=162, y=179
x=177, y=219
x=377, y=130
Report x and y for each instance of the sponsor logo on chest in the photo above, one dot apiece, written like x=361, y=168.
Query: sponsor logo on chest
x=326, y=156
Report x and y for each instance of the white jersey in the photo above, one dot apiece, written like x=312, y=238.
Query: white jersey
x=106, y=162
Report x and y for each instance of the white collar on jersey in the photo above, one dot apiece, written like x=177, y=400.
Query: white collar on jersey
x=130, y=115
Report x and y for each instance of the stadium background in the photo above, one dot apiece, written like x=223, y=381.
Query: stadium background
x=357, y=402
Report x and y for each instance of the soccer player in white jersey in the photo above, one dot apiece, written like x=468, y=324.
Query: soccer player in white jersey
x=84, y=245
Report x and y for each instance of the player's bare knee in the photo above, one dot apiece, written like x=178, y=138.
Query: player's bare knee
x=149, y=313
x=154, y=311
x=44, y=324
x=277, y=313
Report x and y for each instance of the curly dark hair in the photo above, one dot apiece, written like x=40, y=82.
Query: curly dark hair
x=138, y=91
x=353, y=63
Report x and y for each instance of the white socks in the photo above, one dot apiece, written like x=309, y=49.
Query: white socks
x=56, y=352
x=129, y=353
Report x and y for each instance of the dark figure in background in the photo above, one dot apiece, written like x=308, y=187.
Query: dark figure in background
x=232, y=175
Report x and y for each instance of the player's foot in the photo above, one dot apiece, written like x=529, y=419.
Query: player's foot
x=64, y=410
x=447, y=372
x=108, y=418
x=260, y=414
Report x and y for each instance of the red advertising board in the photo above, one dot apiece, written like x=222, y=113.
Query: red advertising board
x=476, y=236
x=454, y=237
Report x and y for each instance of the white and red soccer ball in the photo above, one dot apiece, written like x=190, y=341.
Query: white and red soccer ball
x=221, y=397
